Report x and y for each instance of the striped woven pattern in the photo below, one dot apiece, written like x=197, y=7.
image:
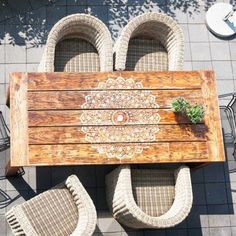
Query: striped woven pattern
x=153, y=191
x=64, y=210
x=81, y=27
x=146, y=55
x=133, y=196
x=156, y=26
x=76, y=54
x=52, y=213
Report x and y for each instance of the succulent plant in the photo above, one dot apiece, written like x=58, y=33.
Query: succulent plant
x=195, y=113
x=180, y=105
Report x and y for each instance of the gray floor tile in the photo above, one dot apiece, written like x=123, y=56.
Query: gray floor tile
x=107, y=223
x=202, y=65
x=233, y=50
x=220, y=51
x=15, y=53
x=214, y=173
x=220, y=231
x=233, y=231
x=233, y=215
x=216, y=193
x=200, y=51
x=34, y=54
x=3, y=225
x=2, y=53
x=198, y=217
x=176, y=232
x=225, y=86
x=199, y=232
x=154, y=232
x=55, y=13
x=198, y=16
x=218, y=215
x=13, y=68
x=223, y=69
x=199, y=194
x=198, y=33
x=76, y=9
x=100, y=12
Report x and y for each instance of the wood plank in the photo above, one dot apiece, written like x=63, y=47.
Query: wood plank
x=86, y=154
x=212, y=116
x=73, y=117
x=54, y=100
x=167, y=133
x=88, y=81
x=19, y=119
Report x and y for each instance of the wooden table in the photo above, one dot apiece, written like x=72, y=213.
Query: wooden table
x=111, y=118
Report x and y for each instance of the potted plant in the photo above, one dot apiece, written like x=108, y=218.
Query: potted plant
x=195, y=113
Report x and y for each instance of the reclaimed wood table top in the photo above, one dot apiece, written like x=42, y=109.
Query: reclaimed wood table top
x=112, y=118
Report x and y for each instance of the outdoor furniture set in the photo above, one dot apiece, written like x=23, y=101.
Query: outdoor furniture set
x=123, y=117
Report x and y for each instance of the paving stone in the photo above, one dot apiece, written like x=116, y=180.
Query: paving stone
x=76, y=9
x=216, y=193
x=15, y=53
x=185, y=31
x=187, y=52
x=197, y=175
x=199, y=232
x=218, y=215
x=198, y=33
x=101, y=199
x=202, y=65
x=233, y=231
x=199, y=194
x=82, y=173
x=107, y=223
x=200, y=51
x=233, y=215
x=198, y=217
x=223, y=69
x=220, y=231
x=154, y=232
x=177, y=13
x=233, y=50
x=55, y=13
x=220, y=51
x=34, y=54
x=3, y=225
x=198, y=15
x=214, y=172
x=176, y=232
x=225, y=86
x=101, y=12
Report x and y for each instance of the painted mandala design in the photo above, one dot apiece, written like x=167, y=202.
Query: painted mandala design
x=120, y=97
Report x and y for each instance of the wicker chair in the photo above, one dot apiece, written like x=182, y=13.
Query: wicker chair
x=149, y=42
x=64, y=210
x=78, y=43
x=149, y=198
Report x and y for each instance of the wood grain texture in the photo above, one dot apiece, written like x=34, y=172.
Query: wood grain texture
x=167, y=133
x=73, y=117
x=89, y=81
x=19, y=119
x=54, y=119
x=74, y=153
x=54, y=100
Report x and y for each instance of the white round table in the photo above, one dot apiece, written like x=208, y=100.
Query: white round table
x=218, y=22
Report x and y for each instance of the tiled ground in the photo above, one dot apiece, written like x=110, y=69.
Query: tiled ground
x=24, y=26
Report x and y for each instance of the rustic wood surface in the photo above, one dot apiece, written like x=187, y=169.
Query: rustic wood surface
x=52, y=123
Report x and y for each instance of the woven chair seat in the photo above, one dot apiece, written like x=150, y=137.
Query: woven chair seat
x=78, y=43
x=146, y=55
x=149, y=198
x=153, y=191
x=151, y=41
x=62, y=211
x=76, y=54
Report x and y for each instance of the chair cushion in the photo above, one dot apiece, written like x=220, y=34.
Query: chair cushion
x=146, y=55
x=153, y=190
x=74, y=54
x=52, y=213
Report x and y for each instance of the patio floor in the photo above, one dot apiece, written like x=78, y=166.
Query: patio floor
x=24, y=26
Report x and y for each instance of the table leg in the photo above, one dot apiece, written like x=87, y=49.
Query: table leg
x=11, y=171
